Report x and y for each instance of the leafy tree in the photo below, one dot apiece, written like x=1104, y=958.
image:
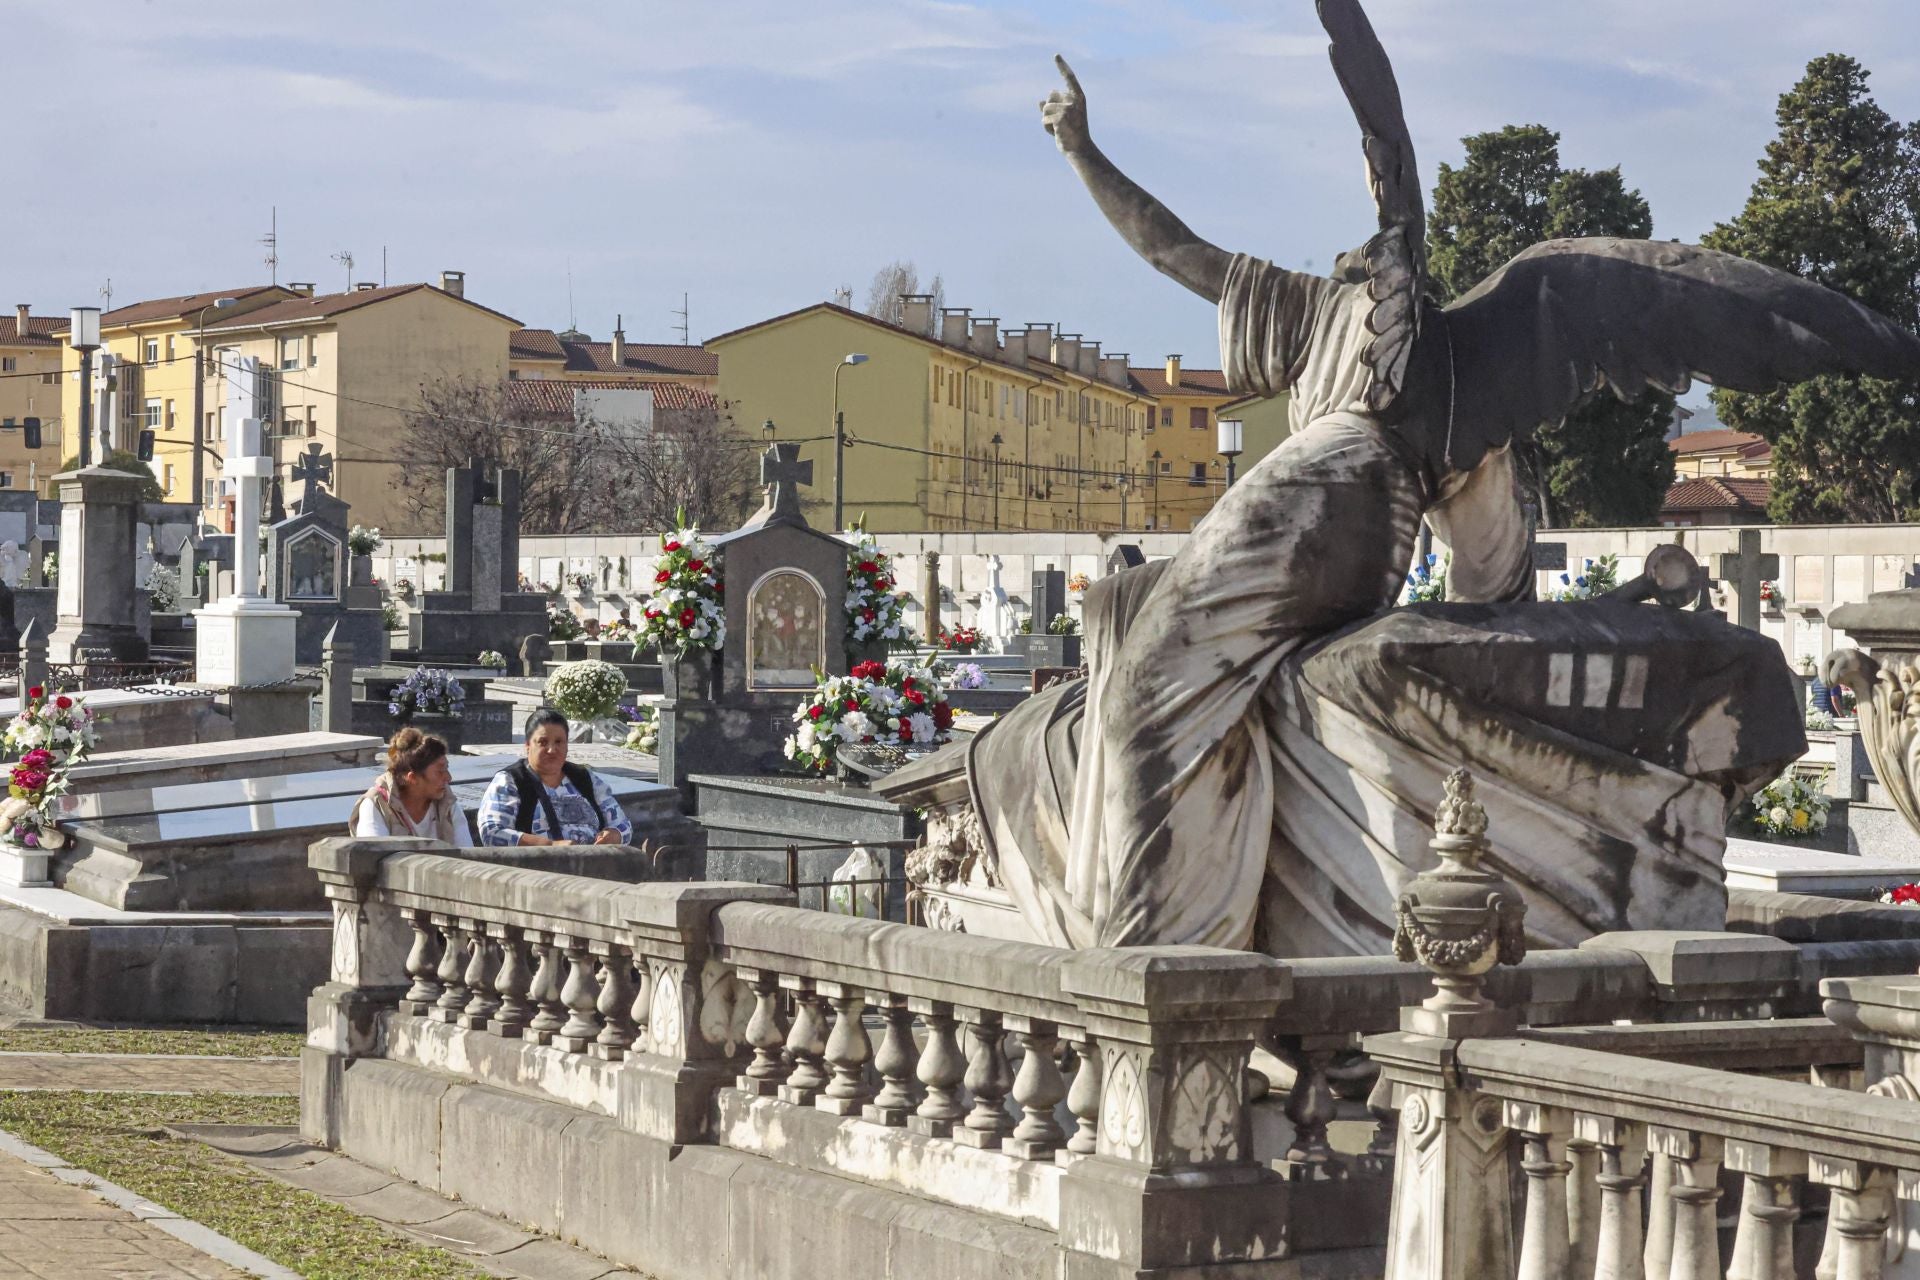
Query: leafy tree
x=1837, y=201
x=121, y=460
x=1608, y=463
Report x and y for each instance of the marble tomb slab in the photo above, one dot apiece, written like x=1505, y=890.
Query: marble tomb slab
x=204, y=762
x=231, y=792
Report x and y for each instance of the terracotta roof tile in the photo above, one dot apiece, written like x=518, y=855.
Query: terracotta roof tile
x=553, y=397
x=42, y=331
x=641, y=357
x=1713, y=441
x=1717, y=493
x=535, y=344
x=327, y=305
x=186, y=305
x=1152, y=380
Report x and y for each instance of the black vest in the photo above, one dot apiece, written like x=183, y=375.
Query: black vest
x=533, y=792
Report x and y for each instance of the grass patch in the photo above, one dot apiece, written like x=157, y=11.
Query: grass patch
x=216, y=1044
x=118, y=1137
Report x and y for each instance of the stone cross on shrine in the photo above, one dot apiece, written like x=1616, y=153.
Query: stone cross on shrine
x=313, y=468
x=486, y=479
x=782, y=471
x=1747, y=569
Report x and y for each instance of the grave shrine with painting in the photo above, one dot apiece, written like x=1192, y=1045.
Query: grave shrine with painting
x=307, y=570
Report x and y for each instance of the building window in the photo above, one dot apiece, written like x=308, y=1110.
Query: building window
x=290, y=353
x=50, y=379
x=151, y=353
x=292, y=426
x=167, y=481
x=9, y=363
x=169, y=415
x=152, y=415
x=1199, y=475
x=169, y=348
x=1166, y=416
x=313, y=350
x=6, y=479
x=1197, y=418
x=210, y=493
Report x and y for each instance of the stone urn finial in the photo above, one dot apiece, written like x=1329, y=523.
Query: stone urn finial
x=1459, y=920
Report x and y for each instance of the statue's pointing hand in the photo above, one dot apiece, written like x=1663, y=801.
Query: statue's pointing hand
x=1064, y=113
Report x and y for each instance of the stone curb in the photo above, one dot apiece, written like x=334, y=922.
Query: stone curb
x=185, y=1230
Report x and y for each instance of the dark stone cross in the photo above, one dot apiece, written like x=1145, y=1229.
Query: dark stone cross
x=1747, y=569
x=313, y=468
x=486, y=483
x=782, y=471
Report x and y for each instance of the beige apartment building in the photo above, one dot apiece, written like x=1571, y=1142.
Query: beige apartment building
x=30, y=356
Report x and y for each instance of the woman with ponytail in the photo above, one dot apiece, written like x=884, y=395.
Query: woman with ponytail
x=414, y=797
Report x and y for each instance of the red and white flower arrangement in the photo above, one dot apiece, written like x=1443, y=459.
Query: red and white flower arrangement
x=683, y=610
x=1769, y=591
x=874, y=607
x=1901, y=895
x=961, y=639
x=886, y=704
x=53, y=734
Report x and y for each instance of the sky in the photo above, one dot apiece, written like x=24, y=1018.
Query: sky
x=755, y=155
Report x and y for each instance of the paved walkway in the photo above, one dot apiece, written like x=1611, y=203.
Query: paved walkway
x=149, y=1073
x=53, y=1226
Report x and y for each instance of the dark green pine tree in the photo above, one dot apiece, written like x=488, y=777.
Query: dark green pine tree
x=1837, y=201
x=1608, y=462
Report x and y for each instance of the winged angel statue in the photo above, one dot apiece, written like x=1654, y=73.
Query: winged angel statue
x=1248, y=761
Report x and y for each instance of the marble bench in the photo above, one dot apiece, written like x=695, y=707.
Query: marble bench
x=202, y=762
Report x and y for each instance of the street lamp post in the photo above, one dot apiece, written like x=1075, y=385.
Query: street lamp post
x=1155, y=460
x=840, y=443
x=200, y=401
x=1126, y=487
x=83, y=335
x=1232, y=436
x=996, y=442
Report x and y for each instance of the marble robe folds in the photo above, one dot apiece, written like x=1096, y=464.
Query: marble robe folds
x=1246, y=767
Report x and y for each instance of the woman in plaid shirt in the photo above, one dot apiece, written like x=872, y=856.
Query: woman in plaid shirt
x=545, y=800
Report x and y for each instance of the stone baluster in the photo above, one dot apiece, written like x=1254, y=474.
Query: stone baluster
x=1083, y=1095
x=940, y=1070
x=768, y=1070
x=1618, y=1247
x=848, y=1051
x=1857, y=1219
x=1658, y=1250
x=452, y=971
x=511, y=983
x=1583, y=1205
x=1378, y=1158
x=806, y=1044
x=615, y=1005
x=894, y=1062
x=1545, y=1249
x=482, y=1003
x=1038, y=1088
x=1769, y=1206
x=550, y=1012
x=1693, y=1189
x=1311, y=1108
x=641, y=1010
x=989, y=1078
x=581, y=995
x=422, y=959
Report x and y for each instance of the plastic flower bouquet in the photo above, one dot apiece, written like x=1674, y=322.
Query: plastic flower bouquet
x=1791, y=808
x=163, y=588
x=60, y=724
x=643, y=730
x=1595, y=579
x=562, y=625
x=362, y=541
x=962, y=639
x=621, y=629
x=885, y=704
x=1427, y=584
x=1079, y=582
x=1063, y=624
x=491, y=658
x=1901, y=895
x=31, y=786
x=964, y=675
x=1769, y=592
x=685, y=611
x=588, y=690
x=428, y=693
x=874, y=608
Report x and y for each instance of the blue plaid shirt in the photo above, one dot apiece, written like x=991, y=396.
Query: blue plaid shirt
x=581, y=819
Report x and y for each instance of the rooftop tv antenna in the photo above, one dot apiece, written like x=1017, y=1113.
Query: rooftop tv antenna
x=106, y=295
x=573, y=320
x=682, y=326
x=272, y=242
x=345, y=259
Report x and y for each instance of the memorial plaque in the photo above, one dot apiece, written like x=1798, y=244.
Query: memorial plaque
x=1849, y=579
x=1890, y=572
x=311, y=567
x=1809, y=580
x=786, y=631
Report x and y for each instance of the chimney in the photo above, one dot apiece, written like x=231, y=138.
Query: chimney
x=1039, y=341
x=916, y=313
x=1066, y=351
x=304, y=288
x=1173, y=372
x=20, y=319
x=1013, y=349
x=985, y=337
x=1113, y=368
x=1089, y=359
x=619, y=343
x=454, y=282
x=364, y=286
x=954, y=325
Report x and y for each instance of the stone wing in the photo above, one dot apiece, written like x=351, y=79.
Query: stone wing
x=1568, y=317
x=1394, y=262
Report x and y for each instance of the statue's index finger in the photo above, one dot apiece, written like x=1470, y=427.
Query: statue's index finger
x=1066, y=73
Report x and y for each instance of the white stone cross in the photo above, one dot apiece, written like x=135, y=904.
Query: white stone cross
x=246, y=464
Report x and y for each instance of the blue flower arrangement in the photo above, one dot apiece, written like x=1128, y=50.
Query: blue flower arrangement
x=1427, y=583
x=426, y=692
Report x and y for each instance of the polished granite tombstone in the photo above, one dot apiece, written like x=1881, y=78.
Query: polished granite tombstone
x=252, y=857
x=212, y=761
x=350, y=782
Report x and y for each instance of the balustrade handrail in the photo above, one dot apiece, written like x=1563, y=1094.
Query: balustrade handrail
x=1787, y=1115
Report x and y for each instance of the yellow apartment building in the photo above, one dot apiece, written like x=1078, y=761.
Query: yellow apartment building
x=542, y=353
x=30, y=355
x=350, y=367
x=147, y=353
x=1183, y=448
x=1741, y=455
x=954, y=423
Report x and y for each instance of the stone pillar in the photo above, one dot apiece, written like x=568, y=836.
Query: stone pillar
x=336, y=683
x=244, y=638
x=1172, y=1182
x=33, y=661
x=930, y=592
x=95, y=599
